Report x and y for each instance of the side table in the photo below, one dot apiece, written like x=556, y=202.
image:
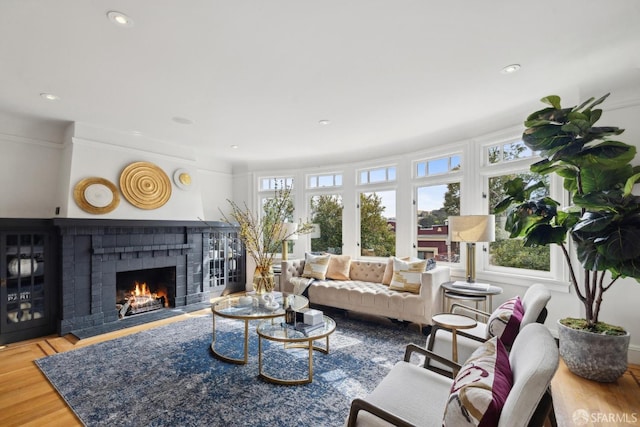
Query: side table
x=461, y=289
x=452, y=322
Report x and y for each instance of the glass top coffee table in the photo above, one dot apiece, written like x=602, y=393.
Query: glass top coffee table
x=293, y=338
x=233, y=308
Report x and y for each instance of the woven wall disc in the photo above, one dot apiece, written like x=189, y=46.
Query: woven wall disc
x=145, y=185
x=96, y=195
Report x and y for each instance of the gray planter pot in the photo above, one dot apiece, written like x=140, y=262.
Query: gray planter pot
x=596, y=357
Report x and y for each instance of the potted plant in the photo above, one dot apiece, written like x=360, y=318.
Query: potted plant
x=263, y=234
x=603, y=223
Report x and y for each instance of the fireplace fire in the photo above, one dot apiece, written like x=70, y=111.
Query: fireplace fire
x=141, y=300
x=141, y=291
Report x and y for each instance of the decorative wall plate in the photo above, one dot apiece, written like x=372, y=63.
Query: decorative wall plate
x=182, y=179
x=96, y=195
x=145, y=185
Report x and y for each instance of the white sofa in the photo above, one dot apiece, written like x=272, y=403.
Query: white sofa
x=365, y=293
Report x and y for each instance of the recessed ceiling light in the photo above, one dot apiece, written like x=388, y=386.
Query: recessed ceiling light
x=119, y=19
x=234, y=146
x=183, y=120
x=324, y=122
x=49, y=96
x=510, y=69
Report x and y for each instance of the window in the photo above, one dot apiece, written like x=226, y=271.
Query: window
x=508, y=152
x=434, y=205
x=506, y=252
x=377, y=175
x=275, y=183
x=438, y=166
x=326, y=213
x=377, y=223
x=269, y=188
x=324, y=181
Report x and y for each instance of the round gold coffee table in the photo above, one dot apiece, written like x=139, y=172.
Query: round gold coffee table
x=293, y=338
x=231, y=308
x=452, y=322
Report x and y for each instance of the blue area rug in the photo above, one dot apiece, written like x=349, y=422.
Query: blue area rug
x=168, y=376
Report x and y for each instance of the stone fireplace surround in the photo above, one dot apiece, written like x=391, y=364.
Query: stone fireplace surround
x=93, y=251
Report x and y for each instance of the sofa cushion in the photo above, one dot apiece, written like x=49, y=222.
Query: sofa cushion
x=339, y=266
x=407, y=275
x=315, y=266
x=504, y=322
x=388, y=271
x=480, y=388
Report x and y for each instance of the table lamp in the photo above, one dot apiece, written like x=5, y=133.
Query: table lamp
x=287, y=232
x=472, y=229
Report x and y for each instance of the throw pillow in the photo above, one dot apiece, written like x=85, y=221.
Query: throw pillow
x=339, y=266
x=388, y=271
x=504, y=322
x=315, y=266
x=407, y=275
x=481, y=387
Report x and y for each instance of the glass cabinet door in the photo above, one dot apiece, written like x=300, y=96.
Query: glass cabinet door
x=226, y=261
x=23, y=300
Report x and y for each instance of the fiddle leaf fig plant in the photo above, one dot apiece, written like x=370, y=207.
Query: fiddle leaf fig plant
x=604, y=219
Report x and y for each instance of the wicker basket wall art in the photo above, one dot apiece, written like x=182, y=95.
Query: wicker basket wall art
x=145, y=185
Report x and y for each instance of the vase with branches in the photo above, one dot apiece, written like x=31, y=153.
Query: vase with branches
x=263, y=232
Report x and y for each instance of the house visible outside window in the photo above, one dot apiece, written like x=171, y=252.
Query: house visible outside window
x=434, y=205
x=437, y=196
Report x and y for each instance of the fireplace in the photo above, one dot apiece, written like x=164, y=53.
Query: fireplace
x=98, y=256
x=141, y=291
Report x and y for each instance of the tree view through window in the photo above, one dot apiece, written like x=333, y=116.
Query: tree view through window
x=377, y=223
x=506, y=252
x=326, y=212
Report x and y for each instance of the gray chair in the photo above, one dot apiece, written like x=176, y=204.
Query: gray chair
x=411, y=395
x=534, y=303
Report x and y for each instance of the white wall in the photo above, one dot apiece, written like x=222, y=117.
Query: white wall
x=39, y=175
x=29, y=172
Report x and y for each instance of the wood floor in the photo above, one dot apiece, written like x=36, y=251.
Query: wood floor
x=28, y=399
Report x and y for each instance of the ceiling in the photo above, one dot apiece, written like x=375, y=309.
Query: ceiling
x=261, y=75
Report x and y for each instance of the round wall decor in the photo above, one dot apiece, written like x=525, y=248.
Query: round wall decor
x=96, y=195
x=145, y=185
x=182, y=179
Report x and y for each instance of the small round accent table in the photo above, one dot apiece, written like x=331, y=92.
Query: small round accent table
x=231, y=308
x=453, y=322
x=293, y=338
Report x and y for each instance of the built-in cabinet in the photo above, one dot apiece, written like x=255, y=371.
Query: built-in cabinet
x=27, y=276
x=226, y=260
